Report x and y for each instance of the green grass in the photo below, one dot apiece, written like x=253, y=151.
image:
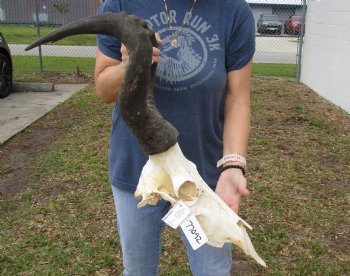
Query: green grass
x=69, y=64
x=64, y=223
x=274, y=69
x=25, y=34
x=22, y=64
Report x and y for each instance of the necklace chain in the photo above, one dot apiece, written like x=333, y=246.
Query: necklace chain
x=175, y=35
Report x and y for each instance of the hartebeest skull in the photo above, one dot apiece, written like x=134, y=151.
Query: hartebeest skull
x=168, y=174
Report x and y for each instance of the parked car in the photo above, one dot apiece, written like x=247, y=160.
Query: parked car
x=269, y=23
x=292, y=25
x=5, y=68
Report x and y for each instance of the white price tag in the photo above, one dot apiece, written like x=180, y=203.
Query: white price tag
x=194, y=232
x=177, y=214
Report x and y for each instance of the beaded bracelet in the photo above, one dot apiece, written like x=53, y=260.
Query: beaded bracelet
x=234, y=167
x=234, y=157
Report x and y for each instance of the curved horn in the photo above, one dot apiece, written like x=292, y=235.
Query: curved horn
x=136, y=105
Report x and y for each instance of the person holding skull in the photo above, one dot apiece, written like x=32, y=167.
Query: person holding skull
x=202, y=87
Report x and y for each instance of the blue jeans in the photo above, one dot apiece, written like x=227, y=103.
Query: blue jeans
x=140, y=231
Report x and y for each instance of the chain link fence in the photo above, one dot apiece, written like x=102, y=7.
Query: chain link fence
x=279, y=28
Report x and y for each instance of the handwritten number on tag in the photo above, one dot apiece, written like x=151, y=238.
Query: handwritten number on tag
x=180, y=215
x=190, y=227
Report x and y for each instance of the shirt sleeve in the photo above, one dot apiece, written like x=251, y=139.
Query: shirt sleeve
x=241, y=46
x=109, y=45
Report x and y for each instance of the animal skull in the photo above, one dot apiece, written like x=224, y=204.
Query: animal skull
x=172, y=177
x=167, y=174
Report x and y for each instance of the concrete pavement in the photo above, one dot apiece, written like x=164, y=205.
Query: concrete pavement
x=54, y=50
x=21, y=109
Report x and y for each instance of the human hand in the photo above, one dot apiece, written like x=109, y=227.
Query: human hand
x=231, y=186
x=156, y=51
x=155, y=54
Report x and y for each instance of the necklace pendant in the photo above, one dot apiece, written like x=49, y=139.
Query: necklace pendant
x=174, y=43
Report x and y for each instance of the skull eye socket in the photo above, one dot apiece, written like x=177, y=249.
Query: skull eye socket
x=188, y=191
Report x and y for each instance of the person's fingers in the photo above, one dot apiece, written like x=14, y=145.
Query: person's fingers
x=155, y=55
x=155, y=59
x=244, y=191
x=125, y=55
x=123, y=49
x=124, y=52
x=242, y=188
x=159, y=40
x=235, y=203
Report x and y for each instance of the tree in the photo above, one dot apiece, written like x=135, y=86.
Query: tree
x=63, y=9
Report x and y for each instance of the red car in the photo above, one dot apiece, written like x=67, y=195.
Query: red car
x=292, y=25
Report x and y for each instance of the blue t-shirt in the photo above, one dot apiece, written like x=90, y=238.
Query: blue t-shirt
x=191, y=80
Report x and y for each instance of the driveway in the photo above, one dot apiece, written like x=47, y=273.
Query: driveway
x=276, y=49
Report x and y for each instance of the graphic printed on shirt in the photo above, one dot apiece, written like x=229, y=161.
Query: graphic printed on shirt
x=190, y=57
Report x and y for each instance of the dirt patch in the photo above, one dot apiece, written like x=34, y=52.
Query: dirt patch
x=340, y=237
x=241, y=268
x=56, y=77
x=337, y=239
x=15, y=155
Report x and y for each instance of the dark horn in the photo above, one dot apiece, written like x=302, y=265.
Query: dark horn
x=136, y=104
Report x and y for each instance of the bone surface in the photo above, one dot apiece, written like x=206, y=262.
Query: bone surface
x=171, y=176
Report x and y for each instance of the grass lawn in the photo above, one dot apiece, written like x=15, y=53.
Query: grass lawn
x=56, y=209
x=25, y=64
x=26, y=34
x=30, y=64
x=274, y=69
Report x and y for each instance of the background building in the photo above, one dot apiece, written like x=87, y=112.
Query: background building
x=325, y=60
x=49, y=11
x=65, y=11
